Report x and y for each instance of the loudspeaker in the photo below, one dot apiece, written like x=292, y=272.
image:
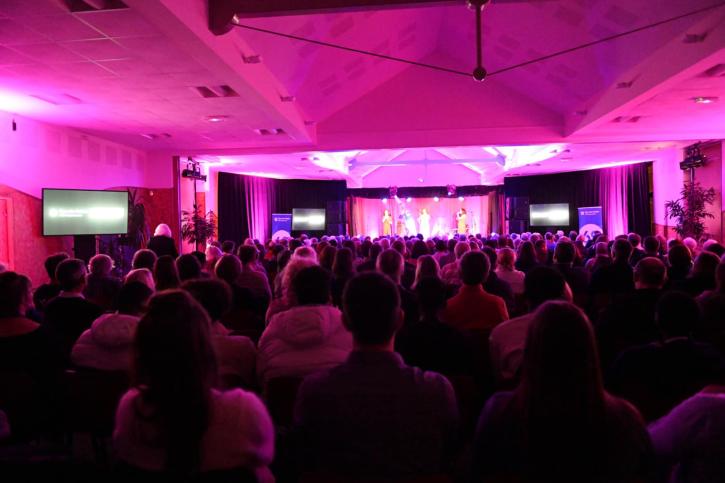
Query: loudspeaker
x=335, y=212
x=335, y=229
x=518, y=208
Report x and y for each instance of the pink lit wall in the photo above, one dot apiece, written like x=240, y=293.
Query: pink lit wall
x=667, y=183
x=421, y=175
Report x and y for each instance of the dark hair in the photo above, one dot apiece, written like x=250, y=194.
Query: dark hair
x=622, y=249
x=14, y=291
x=564, y=253
x=144, y=258
x=679, y=256
x=342, y=268
x=228, y=246
x=214, y=295
x=228, y=268
x=247, y=254
x=677, y=313
x=391, y=263
x=561, y=391
x=705, y=266
x=441, y=246
x=132, y=298
x=716, y=248
x=650, y=271
x=491, y=254
x=474, y=268
x=371, y=304
x=71, y=274
x=174, y=371
x=634, y=239
x=431, y=294
x=543, y=284
x=200, y=257
x=419, y=249
x=166, y=275
x=327, y=257
x=526, y=255
x=188, y=267
x=651, y=244
x=52, y=262
x=311, y=286
x=375, y=250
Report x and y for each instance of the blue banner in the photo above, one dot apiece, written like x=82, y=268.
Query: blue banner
x=281, y=225
x=590, y=220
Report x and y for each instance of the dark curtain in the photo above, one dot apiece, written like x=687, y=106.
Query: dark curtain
x=639, y=206
x=231, y=205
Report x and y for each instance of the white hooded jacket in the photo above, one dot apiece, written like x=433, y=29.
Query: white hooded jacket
x=108, y=344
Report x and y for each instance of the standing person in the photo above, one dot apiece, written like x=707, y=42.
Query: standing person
x=373, y=415
x=462, y=221
x=424, y=223
x=560, y=424
x=162, y=243
x=387, y=223
x=172, y=420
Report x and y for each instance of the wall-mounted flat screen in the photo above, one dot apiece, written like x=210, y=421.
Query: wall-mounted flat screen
x=553, y=214
x=308, y=219
x=84, y=212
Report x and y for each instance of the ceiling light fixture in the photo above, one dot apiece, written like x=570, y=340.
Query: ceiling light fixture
x=217, y=118
x=705, y=99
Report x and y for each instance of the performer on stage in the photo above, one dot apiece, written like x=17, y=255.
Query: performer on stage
x=409, y=224
x=387, y=224
x=424, y=223
x=400, y=225
x=461, y=218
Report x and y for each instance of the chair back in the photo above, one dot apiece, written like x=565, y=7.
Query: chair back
x=280, y=394
x=91, y=398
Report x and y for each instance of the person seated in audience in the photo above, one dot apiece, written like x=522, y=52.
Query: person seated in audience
x=371, y=262
x=701, y=277
x=656, y=377
x=494, y=285
x=342, y=272
x=246, y=314
x=600, y=259
x=688, y=441
x=429, y=343
x=252, y=277
x=141, y=275
x=307, y=337
x=712, y=308
x=651, y=246
x=542, y=253
x=408, y=277
x=679, y=260
x=450, y=274
x=304, y=252
x=629, y=320
x=506, y=270
x=577, y=278
x=166, y=275
x=228, y=246
x=560, y=425
x=162, y=243
x=391, y=263
x=327, y=257
x=108, y=344
x=236, y=354
x=637, y=253
x=526, y=257
x=188, y=267
x=450, y=256
x=374, y=415
x=47, y=291
x=101, y=286
x=427, y=268
x=473, y=308
x=691, y=245
x=69, y=314
x=507, y=340
x=614, y=279
x=213, y=254
x=144, y=258
x=714, y=247
x=440, y=250
x=173, y=420
x=285, y=301
x=201, y=258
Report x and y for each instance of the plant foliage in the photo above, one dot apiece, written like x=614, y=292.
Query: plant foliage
x=690, y=210
x=197, y=227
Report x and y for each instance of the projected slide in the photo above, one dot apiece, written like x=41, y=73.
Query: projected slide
x=81, y=212
x=555, y=214
x=311, y=219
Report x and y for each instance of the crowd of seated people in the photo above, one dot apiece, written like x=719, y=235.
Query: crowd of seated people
x=522, y=357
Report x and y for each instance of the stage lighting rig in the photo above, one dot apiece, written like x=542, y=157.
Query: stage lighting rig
x=193, y=170
x=693, y=158
x=451, y=190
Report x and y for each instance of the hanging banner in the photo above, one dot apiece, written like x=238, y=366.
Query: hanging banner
x=590, y=220
x=281, y=225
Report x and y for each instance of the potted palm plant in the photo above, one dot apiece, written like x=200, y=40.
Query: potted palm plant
x=197, y=227
x=690, y=210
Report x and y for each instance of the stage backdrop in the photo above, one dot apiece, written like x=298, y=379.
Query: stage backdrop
x=246, y=203
x=623, y=192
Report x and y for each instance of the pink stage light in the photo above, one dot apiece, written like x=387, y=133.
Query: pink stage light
x=409, y=199
x=460, y=198
x=436, y=199
x=384, y=200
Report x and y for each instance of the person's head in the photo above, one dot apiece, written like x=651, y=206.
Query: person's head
x=474, y=268
x=419, y=249
x=162, y=229
x=527, y=254
x=71, y=275
x=542, y=252
x=705, y=266
x=431, y=294
x=715, y=248
x=141, y=275
x=248, y=254
x=188, y=267
x=200, y=257
x=621, y=250
x=492, y=257
x=676, y=314
x=441, y=246
x=52, y=262
x=506, y=258
x=133, y=297
x=295, y=266
x=650, y=273
x=16, y=297
x=174, y=371
x=690, y=243
x=100, y=265
x=651, y=245
x=305, y=252
x=543, y=284
x=399, y=246
x=228, y=268
x=228, y=246
x=601, y=249
x=564, y=253
x=327, y=257
x=343, y=265
x=375, y=250
x=679, y=256
x=213, y=294
x=391, y=263
x=166, y=275
x=311, y=286
x=461, y=248
x=371, y=309
x=427, y=267
x=143, y=258
x=720, y=276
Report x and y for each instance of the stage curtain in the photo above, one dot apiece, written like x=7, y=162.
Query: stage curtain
x=258, y=200
x=231, y=204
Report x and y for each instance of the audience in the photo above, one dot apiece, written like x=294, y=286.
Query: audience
x=506, y=270
x=391, y=263
x=188, y=267
x=307, y=337
x=427, y=267
x=47, y=291
x=163, y=243
x=373, y=415
x=342, y=272
x=166, y=275
x=101, y=286
x=560, y=424
x=141, y=275
x=451, y=272
x=144, y=258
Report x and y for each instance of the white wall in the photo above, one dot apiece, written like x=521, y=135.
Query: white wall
x=667, y=182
